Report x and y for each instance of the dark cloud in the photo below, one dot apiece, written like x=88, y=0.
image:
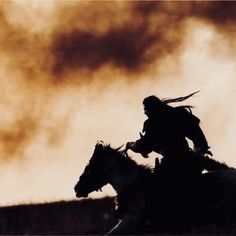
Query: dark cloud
x=129, y=36
x=17, y=136
x=151, y=31
x=126, y=48
x=218, y=12
x=129, y=46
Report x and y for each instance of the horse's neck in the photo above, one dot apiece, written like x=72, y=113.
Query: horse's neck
x=122, y=177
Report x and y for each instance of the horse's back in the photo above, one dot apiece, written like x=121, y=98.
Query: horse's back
x=223, y=184
x=211, y=196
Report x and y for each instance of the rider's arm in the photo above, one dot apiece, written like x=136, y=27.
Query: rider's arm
x=145, y=144
x=195, y=133
x=199, y=140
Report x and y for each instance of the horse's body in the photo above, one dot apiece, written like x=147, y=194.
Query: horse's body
x=148, y=204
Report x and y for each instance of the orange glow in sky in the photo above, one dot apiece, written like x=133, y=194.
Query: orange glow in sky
x=76, y=72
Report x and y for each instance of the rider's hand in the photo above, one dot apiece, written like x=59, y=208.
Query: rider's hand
x=130, y=145
x=209, y=153
x=204, y=151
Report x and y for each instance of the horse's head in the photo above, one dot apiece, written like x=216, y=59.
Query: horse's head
x=96, y=173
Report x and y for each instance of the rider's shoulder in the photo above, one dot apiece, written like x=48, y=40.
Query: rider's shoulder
x=185, y=114
x=181, y=111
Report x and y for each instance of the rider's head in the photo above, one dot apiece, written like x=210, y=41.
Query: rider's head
x=152, y=105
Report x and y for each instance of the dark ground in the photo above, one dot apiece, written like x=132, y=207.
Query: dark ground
x=60, y=218
x=82, y=217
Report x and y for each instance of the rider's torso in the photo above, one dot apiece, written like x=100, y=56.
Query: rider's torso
x=168, y=134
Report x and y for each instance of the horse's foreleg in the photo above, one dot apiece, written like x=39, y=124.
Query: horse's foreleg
x=124, y=228
x=115, y=230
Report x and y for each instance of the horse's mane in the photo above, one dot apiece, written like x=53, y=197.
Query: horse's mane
x=121, y=155
x=211, y=164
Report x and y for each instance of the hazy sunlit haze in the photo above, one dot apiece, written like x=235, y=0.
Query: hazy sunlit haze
x=72, y=73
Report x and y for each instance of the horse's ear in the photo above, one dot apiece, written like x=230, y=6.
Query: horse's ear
x=99, y=145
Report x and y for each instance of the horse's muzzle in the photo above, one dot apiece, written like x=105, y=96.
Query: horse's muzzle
x=80, y=193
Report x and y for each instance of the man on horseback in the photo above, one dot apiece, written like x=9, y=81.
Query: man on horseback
x=165, y=132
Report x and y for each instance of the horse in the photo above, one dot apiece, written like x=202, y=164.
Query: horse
x=143, y=207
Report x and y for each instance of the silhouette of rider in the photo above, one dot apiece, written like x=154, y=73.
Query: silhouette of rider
x=165, y=132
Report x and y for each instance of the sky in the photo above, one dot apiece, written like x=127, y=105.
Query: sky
x=75, y=72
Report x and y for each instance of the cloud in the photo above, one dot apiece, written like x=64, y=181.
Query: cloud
x=123, y=48
x=15, y=138
x=131, y=45
x=148, y=32
x=83, y=41
x=220, y=13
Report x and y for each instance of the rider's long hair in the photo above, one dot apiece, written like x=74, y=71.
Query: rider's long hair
x=153, y=101
x=180, y=99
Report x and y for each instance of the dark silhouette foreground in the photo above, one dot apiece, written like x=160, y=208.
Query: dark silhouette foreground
x=150, y=202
